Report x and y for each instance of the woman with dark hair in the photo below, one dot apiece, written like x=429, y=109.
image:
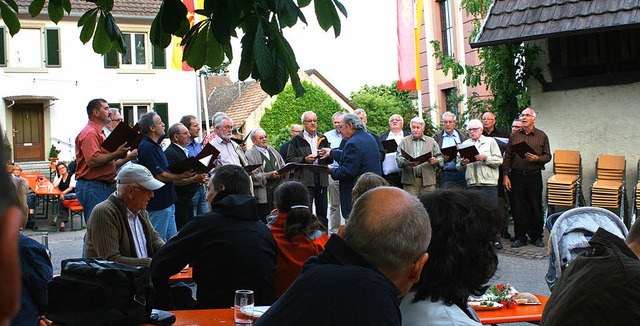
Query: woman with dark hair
x=461, y=258
x=66, y=183
x=298, y=233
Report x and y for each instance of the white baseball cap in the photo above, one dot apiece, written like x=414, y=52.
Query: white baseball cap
x=136, y=173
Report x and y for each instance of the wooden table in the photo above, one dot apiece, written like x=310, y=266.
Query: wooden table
x=42, y=193
x=521, y=313
x=204, y=317
x=185, y=275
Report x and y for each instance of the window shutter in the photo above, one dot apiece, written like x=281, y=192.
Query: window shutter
x=159, y=58
x=115, y=106
x=52, y=43
x=111, y=59
x=162, y=109
x=3, y=57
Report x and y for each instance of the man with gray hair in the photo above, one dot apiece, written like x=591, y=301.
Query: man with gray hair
x=363, y=116
x=119, y=229
x=390, y=170
x=265, y=178
x=447, y=137
x=417, y=177
x=305, y=148
x=115, y=117
x=358, y=156
x=185, y=188
x=295, y=130
x=230, y=151
x=161, y=208
x=358, y=280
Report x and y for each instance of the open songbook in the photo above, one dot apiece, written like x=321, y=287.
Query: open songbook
x=121, y=134
x=390, y=146
x=522, y=148
x=468, y=151
x=450, y=152
x=201, y=163
x=420, y=159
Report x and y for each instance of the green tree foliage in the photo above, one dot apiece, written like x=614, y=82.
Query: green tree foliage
x=266, y=54
x=287, y=110
x=381, y=101
x=502, y=68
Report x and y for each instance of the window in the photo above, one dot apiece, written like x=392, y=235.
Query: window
x=598, y=59
x=32, y=48
x=131, y=112
x=138, y=53
x=446, y=28
x=451, y=99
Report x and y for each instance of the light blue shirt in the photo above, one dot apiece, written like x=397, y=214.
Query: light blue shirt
x=334, y=140
x=194, y=148
x=448, y=141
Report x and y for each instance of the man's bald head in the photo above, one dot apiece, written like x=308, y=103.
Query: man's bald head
x=389, y=228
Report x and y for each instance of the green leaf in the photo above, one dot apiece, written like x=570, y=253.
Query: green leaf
x=173, y=14
x=183, y=29
x=106, y=5
x=66, y=4
x=101, y=41
x=89, y=26
x=303, y=3
x=114, y=33
x=261, y=53
x=215, y=52
x=246, y=57
x=55, y=10
x=195, y=52
x=86, y=17
x=275, y=83
x=10, y=19
x=13, y=5
x=327, y=16
x=157, y=35
x=36, y=7
x=341, y=7
x=228, y=51
x=193, y=31
x=290, y=14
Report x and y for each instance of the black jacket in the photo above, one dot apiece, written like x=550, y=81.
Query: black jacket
x=229, y=248
x=600, y=286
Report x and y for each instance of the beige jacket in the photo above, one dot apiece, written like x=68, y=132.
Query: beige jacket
x=483, y=173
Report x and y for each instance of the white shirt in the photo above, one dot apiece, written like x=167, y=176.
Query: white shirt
x=397, y=137
x=313, y=142
x=137, y=232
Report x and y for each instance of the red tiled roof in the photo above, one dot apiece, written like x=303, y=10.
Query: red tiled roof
x=121, y=8
x=512, y=21
x=244, y=105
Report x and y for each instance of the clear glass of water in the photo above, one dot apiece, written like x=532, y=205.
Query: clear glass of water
x=243, y=307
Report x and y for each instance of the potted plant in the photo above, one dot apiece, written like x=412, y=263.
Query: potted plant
x=53, y=154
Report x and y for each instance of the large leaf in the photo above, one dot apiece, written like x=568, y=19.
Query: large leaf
x=66, y=4
x=193, y=31
x=290, y=14
x=341, y=7
x=106, y=5
x=114, y=33
x=246, y=57
x=89, y=25
x=327, y=15
x=195, y=51
x=215, y=52
x=87, y=16
x=275, y=83
x=55, y=10
x=222, y=23
x=261, y=53
x=10, y=19
x=101, y=41
x=303, y=3
x=12, y=4
x=36, y=7
x=157, y=35
x=289, y=58
x=173, y=14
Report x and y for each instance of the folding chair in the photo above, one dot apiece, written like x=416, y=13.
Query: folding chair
x=564, y=186
x=608, y=191
x=76, y=211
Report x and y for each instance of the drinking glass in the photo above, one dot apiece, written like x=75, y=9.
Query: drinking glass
x=243, y=307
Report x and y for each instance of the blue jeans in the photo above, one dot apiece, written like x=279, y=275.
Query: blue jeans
x=90, y=193
x=164, y=222
x=200, y=204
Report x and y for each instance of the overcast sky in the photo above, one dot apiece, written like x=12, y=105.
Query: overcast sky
x=364, y=53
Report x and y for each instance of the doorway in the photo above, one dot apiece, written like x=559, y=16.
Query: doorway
x=28, y=132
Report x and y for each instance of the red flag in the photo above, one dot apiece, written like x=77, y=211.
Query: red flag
x=176, y=62
x=409, y=21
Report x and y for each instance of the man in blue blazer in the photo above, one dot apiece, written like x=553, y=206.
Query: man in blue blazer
x=359, y=155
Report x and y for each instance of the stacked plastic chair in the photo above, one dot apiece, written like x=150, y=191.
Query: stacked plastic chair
x=563, y=187
x=608, y=191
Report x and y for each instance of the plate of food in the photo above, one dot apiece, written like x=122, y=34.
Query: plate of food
x=523, y=298
x=484, y=305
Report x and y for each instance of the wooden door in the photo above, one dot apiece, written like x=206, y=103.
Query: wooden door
x=28, y=132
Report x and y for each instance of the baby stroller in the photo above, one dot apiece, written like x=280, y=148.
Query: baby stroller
x=570, y=232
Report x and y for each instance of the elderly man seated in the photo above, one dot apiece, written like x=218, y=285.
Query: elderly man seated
x=119, y=228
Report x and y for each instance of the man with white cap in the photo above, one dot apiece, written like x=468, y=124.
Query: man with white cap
x=119, y=229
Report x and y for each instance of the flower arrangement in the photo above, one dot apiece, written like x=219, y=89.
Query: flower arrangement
x=502, y=293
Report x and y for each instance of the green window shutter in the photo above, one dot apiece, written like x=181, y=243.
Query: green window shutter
x=3, y=57
x=159, y=58
x=111, y=59
x=52, y=43
x=115, y=106
x=162, y=109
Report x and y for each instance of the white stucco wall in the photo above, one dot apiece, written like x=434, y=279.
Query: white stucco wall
x=83, y=77
x=595, y=120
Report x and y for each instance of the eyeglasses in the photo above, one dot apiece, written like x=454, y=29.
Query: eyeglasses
x=473, y=129
x=313, y=120
x=527, y=115
x=262, y=137
x=448, y=122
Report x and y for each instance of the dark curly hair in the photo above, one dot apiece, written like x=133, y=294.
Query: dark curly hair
x=461, y=256
x=299, y=219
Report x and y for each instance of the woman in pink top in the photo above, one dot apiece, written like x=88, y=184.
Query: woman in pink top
x=297, y=231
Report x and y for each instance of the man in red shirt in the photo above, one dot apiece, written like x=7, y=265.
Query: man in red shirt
x=96, y=167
